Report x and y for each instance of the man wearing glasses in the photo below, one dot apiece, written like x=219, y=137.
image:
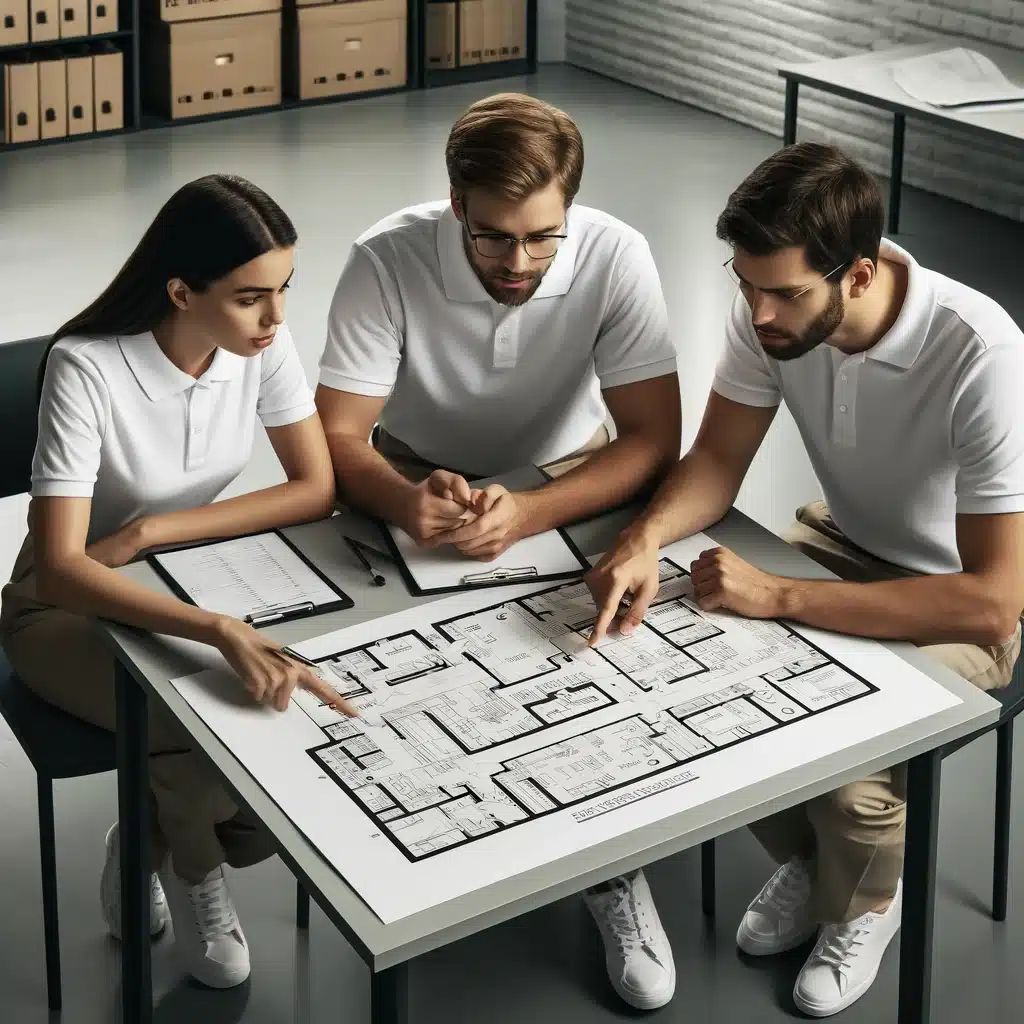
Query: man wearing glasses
x=905, y=387
x=495, y=330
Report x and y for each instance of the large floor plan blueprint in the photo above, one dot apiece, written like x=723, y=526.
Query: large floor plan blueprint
x=491, y=735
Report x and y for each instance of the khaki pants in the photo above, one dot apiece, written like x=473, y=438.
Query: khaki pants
x=854, y=835
x=61, y=658
x=403, y=459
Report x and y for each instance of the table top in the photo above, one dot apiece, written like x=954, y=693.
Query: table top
x=866, y=76
x=153, y=663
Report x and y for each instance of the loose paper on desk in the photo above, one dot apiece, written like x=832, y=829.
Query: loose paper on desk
x=445, y=568
x=492, y=740
x=956, y=77
x=247, y=576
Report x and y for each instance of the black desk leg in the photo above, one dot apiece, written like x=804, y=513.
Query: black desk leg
x=896, y=172
x=133, y=812
x=389, y=995
x=707, y=877
x=789, y=123
x=919, y=888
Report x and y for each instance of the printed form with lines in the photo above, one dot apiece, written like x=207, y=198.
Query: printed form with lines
x=492, y=738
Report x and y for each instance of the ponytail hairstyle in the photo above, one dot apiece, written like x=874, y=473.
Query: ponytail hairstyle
x=207, y=229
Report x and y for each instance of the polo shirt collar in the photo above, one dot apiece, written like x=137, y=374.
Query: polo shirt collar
x=159, y=378
x=459, y=278
x=902, y=343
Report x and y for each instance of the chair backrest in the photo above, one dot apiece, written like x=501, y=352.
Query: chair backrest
x=19, y=368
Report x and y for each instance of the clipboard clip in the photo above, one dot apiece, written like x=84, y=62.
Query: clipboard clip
x=499, y=575
x=277, y=612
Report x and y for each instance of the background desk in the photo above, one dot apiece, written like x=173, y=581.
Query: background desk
x=146, y=666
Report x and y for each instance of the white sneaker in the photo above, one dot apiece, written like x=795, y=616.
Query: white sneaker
x=637, y=951
x=110, y=892
x=779, y=918
x=845, y=961
x=208, y=939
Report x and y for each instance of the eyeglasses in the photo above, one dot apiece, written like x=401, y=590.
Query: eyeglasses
x=494, y=245
x=785, y=294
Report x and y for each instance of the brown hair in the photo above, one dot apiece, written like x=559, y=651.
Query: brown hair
x=515, y=145
x=809, y=195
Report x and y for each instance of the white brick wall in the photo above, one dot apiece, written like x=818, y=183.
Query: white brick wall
x=721, y=55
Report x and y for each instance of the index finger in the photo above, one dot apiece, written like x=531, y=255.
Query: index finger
x=606, y=614
x=312, y=682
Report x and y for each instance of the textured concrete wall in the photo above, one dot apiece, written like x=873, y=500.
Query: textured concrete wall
x=721, y=55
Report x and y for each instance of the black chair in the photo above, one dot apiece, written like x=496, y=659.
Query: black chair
x=59, y=745
x=1011, y=697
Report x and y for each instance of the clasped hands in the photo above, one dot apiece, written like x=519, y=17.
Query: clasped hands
x=481, y=523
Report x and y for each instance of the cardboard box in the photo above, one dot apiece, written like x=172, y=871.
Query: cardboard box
x=471, y=31
x=74, y=18
x=108, y=90
x=193, y=68
x=43, y=21
x=494, y=18
x=351, y=47
x=200, y=10
x=80, y=95
x=441, y=35
x=13, y=22
x=102, y=16
x=513, y=41
x=21, y=101
x=53, y=97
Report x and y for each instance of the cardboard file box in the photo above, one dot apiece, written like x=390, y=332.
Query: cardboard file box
x=81, y=118
x=73, y=18
x=193, y=68
x=108, y=90
x=43, y=21
x=512, y=45
x=21, y=101
x=471, y=31
x=102, y=17
x=53, y=97
x=202, y=10
x=441, y=35
x=13, y=22
x=350, y=47
x=494, y=30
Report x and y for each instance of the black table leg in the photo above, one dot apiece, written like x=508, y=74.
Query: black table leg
x=707, y=877
x=919, y=888
x=789, y=123
x=133, y=818
x=389, y=995
x=896, y=172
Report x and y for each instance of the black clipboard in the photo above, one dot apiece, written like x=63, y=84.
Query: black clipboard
x=395, y=554
x=269, y=617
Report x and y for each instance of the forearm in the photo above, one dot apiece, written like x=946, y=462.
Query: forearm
x=611, y=476
x=695, y=494
x=366, y=480
x=85, y=587
x=954, y=608
x=297, y=501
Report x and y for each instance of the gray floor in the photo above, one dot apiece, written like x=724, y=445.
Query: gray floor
x=72, y=213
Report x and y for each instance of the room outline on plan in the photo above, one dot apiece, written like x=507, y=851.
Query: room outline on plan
x=499, y=716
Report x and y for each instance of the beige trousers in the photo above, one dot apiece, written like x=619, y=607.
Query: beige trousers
x=61, y=658
x=854, y=835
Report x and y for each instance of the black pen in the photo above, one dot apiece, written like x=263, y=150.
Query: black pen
x=356, y=549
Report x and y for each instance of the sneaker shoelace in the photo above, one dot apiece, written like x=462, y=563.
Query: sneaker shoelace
x=212, y=909
x=787, y=890
x=838, y=945
x=632, y=931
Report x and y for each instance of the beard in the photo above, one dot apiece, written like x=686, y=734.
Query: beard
x=792, y=346
x=501, y=293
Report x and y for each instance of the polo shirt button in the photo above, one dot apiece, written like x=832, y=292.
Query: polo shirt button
x=843, y=377
x=842, y=408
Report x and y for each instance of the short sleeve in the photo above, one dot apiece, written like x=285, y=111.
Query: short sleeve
x=743, y=373
x=634, y=342
x=72, y=418
x=364, y=347
x=988, y=433
x=285, y=396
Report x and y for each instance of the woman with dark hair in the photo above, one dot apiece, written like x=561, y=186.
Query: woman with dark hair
x=147, y=409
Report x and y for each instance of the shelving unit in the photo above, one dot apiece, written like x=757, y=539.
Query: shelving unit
x=128, y=39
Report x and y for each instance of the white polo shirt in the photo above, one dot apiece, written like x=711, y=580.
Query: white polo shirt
x=480, y=386
x=120, y=423
x=923, y=426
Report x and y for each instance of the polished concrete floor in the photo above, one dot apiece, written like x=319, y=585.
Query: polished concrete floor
x=71, y=215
